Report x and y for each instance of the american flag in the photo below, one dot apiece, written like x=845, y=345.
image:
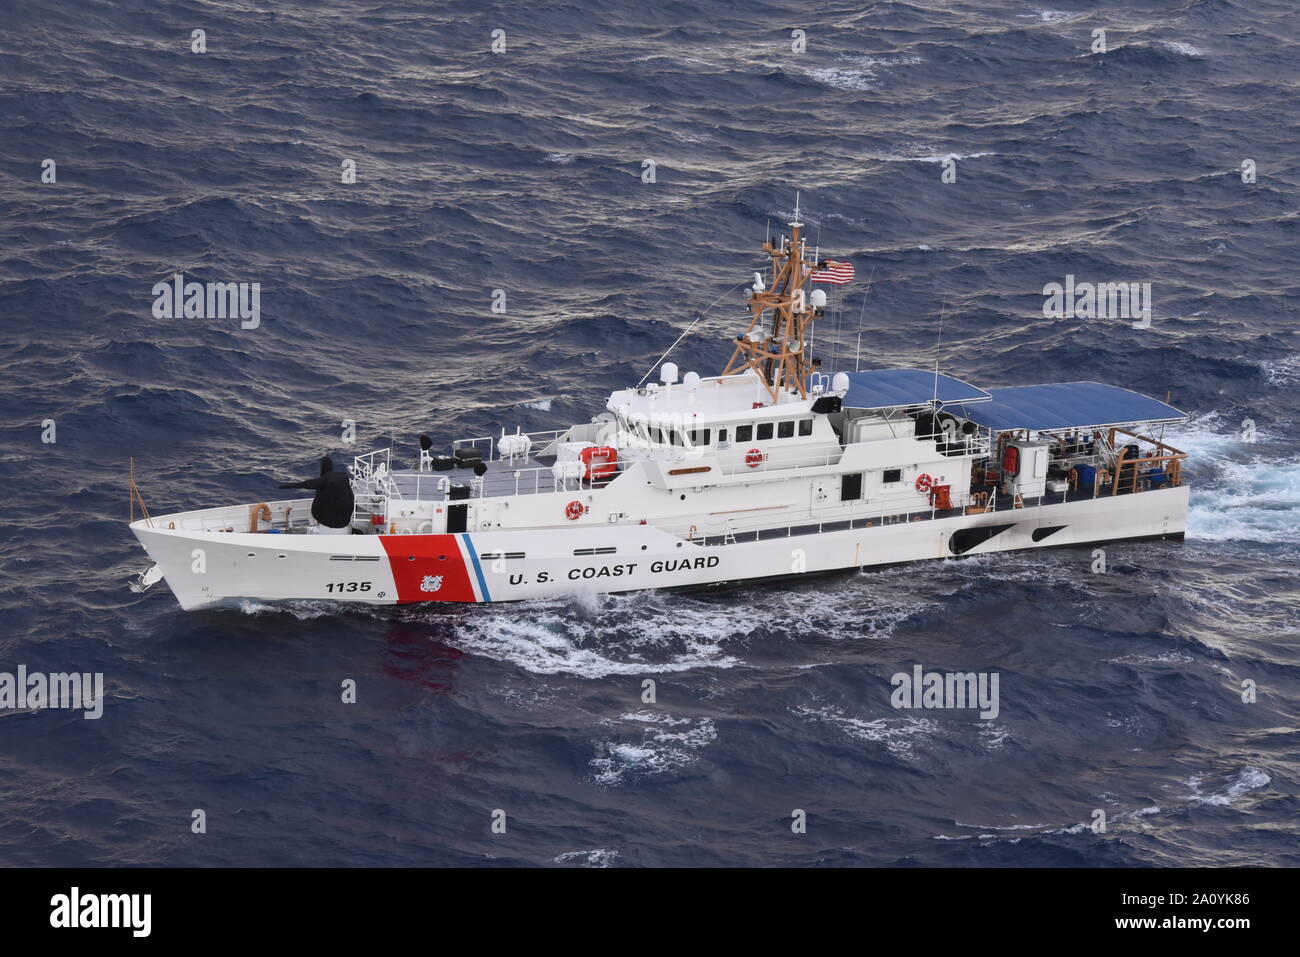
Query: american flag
x=832, y=272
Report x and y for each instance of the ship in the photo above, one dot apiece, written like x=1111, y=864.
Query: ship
x=772, y=471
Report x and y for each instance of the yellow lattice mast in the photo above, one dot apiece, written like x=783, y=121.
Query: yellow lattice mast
x=778, y=352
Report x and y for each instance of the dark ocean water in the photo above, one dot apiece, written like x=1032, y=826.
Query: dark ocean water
x=522, y=171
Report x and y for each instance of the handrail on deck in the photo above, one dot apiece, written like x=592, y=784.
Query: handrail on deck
x=1132, y=470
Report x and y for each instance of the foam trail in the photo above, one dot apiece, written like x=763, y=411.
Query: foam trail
x=1239, y=491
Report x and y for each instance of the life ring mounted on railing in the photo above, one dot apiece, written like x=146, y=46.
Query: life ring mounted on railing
x=755, y=457
x=574, y=510
x=924, y=483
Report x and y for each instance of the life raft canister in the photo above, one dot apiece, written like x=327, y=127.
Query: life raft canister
x=754, y=458
x=573, y=511
x=599, y=462
x=941, y=497
x=923, y=483
x=1011, y=461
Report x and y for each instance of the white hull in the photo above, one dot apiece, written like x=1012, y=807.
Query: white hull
x=210, y=568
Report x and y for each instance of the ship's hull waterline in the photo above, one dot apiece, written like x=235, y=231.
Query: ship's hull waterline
x=205, y=569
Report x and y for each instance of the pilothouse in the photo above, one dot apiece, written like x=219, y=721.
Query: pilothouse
x=771, y=470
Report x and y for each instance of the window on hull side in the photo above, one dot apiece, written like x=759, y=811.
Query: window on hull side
x=764, y=431
x=785, y=430
x=805, y=426
x=744, y=433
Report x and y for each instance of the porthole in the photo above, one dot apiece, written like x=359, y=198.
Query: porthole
x=252, y=554
x=281, y=556
x=643, y=548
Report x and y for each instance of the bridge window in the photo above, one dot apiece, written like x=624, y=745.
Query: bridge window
x=785, y=430
x=764, y=431
x=893, y=476
x=699, y=436
x=744, y=433
x=805, y=426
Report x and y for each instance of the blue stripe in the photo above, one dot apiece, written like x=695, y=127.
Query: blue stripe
x=478, y=569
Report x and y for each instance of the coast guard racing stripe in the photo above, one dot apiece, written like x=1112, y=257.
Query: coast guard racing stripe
x=431, y=568
x=478, y=570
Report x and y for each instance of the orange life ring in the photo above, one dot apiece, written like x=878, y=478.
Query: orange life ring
x=754, y=458
x=573, y=511
x=924, y=483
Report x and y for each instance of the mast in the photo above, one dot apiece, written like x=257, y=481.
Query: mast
x=777, y=351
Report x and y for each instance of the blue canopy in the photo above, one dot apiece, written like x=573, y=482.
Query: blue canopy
x=895, y=388
x=1066, y=405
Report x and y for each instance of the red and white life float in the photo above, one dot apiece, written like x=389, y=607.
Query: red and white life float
x=574, y=510
x=599, y=462
x=754, y=458
x=924, y=483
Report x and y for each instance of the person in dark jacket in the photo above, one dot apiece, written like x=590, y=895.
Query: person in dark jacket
x=333, y=504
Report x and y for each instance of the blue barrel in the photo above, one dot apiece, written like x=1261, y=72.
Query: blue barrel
x=1087, y=475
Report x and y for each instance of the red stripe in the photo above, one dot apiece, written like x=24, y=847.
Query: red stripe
x=835, y=273
x=413, y=558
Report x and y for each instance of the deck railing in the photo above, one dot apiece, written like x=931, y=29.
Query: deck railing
x=1133, y=471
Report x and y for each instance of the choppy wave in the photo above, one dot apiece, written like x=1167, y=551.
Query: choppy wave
x=652, y=745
